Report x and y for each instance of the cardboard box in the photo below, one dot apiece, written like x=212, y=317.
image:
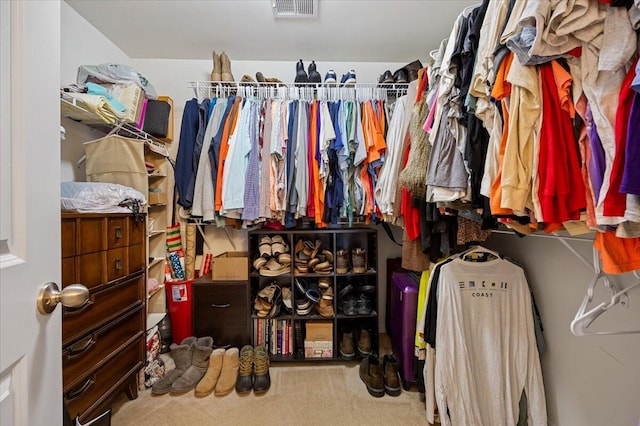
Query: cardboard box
x=318, y=349
x=319, y=331
x=230, y=266
x=157, y=198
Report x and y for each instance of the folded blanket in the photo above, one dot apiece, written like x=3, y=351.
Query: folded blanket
x=97, y=106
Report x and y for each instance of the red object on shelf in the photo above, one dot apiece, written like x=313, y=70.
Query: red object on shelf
x=180, y=306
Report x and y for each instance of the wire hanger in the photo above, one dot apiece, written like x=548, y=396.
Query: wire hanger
x=584, y=318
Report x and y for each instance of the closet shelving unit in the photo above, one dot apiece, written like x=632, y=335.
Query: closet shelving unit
x=309, y=91
x=157, y=213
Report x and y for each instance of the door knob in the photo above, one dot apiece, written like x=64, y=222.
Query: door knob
x=72, y=296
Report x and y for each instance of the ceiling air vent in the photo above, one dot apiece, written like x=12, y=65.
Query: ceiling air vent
x=295, y=8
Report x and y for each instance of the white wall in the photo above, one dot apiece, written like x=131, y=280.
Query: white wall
x=592, y=380
x=589, y=380
x=82, y=44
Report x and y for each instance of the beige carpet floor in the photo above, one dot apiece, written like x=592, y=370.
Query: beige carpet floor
x=300, y=394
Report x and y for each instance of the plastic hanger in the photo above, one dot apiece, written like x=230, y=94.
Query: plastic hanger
x=468, y=254
x=584, y=318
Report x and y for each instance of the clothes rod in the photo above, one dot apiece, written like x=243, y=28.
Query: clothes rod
x=552, y=236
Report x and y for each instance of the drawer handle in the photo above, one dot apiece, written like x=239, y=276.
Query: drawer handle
x=118, y=263
x=75, y=311
x=71, y=395
x=78, y=349
x=118, y=232
x=223, y=305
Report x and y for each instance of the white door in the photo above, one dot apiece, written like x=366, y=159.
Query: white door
x=30, y=351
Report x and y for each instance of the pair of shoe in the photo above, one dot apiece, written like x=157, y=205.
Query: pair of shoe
x=356, y=300
x=247, y=79
x=358, y=261
x=274, y=259
x=267, y=302
x=302, y=76
x=253, y=373
x=347, y=79
x=380, y=376
x=221, y=68
x=221, y=375
x=348, y=348
x=191, y=357
x=311, y=258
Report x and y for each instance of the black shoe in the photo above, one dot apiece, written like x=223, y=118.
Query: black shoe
x=348, y=305
x=301, y=74
x=314, y=76
x=363, y=304
x=400, y=76
x=386, y=78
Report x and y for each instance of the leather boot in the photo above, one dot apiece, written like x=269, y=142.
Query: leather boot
x=208, y=383
x=371, y=375
x=347, y=351
x=261, y=378
x=217, y=68
x=301, y=74
x=198, y=368
x=364, y=343
x=181, y=355
x=226, y=68
x=391, y=375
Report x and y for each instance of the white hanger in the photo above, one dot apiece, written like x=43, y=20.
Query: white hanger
x=584, y=318
x=478, y=249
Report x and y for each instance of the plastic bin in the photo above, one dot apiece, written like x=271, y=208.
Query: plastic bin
x=180, y=306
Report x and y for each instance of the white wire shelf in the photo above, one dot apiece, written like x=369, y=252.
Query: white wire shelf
x=303, y=91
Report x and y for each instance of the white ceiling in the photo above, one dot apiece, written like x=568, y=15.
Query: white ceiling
x=345, y=30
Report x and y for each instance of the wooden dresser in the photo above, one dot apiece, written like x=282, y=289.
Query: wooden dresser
x=103, y=343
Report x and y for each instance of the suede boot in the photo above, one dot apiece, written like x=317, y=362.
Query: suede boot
x=347, y=351
x=391, y=375
x=216, y=73
x=371, y=375
x=229, y=373
x=181, y=355
x=226, y=68
x=208, y=383
x=199, y=364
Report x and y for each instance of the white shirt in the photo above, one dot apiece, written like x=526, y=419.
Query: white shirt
x=486, y=352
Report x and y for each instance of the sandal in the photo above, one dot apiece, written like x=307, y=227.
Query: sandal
x=265, y=246
x=278, y=246
x=273, y=269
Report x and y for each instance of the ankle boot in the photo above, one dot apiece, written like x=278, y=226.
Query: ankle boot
x=347, y=351
x=391, y=375
x=217, y=67
x=208, y=383
x=225, y=64
x=261, y=378
x=371, y=375
x=181, y=355
x=314, y=75
x=198, y=368
x=364, y=343
x=301, y=74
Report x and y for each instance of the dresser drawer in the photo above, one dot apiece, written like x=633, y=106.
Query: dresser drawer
x=90, y=352
x=105, y=304
x=68, y=237
x=137, y=231
x=221, y=311
x=117, y=232
x=90, y=235
x=90, y=269
x=136, y=258
x=68, y=271
x=117, y=263
x=101, y=385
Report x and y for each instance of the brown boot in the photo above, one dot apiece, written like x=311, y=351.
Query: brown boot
x=371, y=375
x=229, y=373
x=208, y=382
x=226, y=68
x=391, y=375
x=217, y=68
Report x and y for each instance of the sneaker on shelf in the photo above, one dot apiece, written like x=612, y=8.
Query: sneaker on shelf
x=348, y=305
x=363, y=304
x=386, y=78
x=349, y=78
x=330, y=77
x=314, y=75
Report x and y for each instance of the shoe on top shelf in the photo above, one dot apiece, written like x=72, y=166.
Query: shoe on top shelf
x=314, y=75
x=349, y=78
x=330, y=77
x=386, y=78
x=301, y=74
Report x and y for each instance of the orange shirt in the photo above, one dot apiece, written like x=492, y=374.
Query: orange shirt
x=229, y=128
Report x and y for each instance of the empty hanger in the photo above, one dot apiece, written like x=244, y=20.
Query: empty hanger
x=584, y=318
